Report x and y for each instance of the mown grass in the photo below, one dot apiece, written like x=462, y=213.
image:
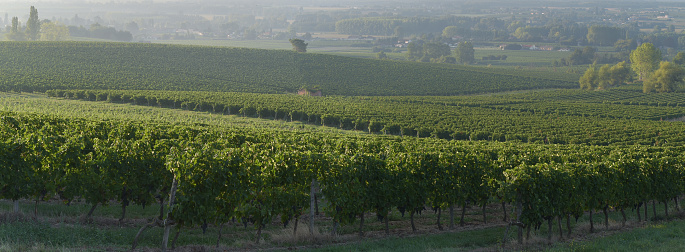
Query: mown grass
x=62, y=227
x=668, y=236
x=449, y=241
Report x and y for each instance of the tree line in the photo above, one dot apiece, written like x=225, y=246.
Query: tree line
x=646, y=61
x=36, y=29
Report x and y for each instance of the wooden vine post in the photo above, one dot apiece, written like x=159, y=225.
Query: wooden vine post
x=168, y=222
x=312, y=202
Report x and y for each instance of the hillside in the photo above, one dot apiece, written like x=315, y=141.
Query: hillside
x=40, y=66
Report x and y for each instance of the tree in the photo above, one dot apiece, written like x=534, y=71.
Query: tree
x=54, y=32
x=645, y=59
x=435, y=50
x=132, y=27
x=381, y=55
x=664, y=79
x=620, y=73
x=589, y=79
x=625, y=45
x=33, y=25
x=15, y=34
x=450, y=31
x=580, y=57
x=299, y=45
x=604, y=77
x=465, y=53
x=604, y=35
x=679, y=58
x=414, y=50
x=446, y=59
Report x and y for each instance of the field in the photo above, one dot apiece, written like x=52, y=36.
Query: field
x=60, y=226
x=364, y=49
x=78, y=65
x=109, y=143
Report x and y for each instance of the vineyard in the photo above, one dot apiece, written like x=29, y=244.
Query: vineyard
x=215, y=175
x=212, y=136
x=513, y=118
x=89, y=65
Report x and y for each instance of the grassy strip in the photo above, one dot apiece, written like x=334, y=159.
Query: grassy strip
x=655, y=237
x=452, y=241
x=60, y=228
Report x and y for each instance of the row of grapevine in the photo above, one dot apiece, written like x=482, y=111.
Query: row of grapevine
x=41, y=66
x=216, y=175
x=459, y=118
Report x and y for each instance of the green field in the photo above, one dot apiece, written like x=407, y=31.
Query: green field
x=95, y=137
x=60, y=226
x=42, y=66
x=557, y=116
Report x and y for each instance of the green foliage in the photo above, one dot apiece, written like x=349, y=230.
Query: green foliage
x=435, y=50
x=256, y=175
x=607, y=76
x=679, y=58
x=450, y=31
x=530, y=33
x=581, y=57
x=619, y=74
x=15, y=34
x=54, y=31
x=299, y=45
x=625, y=45
x=604, y=35
x=645, y=59
x=604, y=77
x=664, y=79
x=464, y=53
x=33, y=25
x=381, y=55
x=590, y=79
x=528, y=117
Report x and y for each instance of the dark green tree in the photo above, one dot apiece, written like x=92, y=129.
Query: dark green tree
x=580, y=57
x=381, y=55
x=604, y=35
x=33, y=25
x=435, y=50
x=299, y=45
x=414, y=50
x=465, y=53
x=625, y=45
